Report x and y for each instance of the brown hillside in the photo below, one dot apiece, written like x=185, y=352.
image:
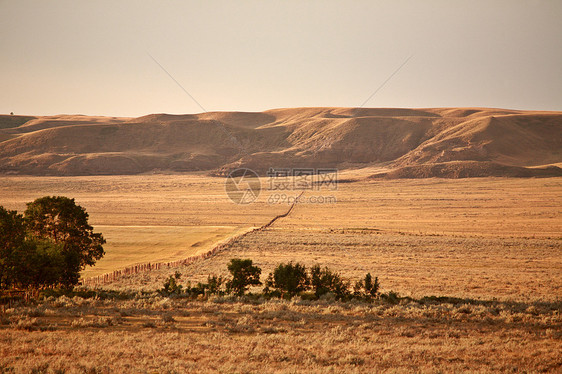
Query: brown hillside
x=444, y=142
x=468, y=169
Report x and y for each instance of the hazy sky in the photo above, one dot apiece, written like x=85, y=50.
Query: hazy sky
x=92, y=57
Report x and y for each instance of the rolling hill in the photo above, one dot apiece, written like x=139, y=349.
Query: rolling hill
x=402, y=143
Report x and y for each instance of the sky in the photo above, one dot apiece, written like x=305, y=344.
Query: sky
x=132, y=58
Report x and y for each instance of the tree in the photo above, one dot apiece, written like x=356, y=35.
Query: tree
x=64, y=223
x=12, y=229
x=12, y=237
x=214, y=284
x=45, y=263
x=24, y=261
x=288, y=279
x=244, y=274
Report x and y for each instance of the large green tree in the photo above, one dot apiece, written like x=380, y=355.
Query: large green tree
x=26, y=261
x=12, y=237
x=60, y=220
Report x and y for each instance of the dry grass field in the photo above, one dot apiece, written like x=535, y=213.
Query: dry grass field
x=162, y=335
x=493, y=244
x=131, y=245
x=477, y=238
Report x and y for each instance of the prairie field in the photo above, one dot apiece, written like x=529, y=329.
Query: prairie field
x=131, y=245
x=477, y=265
x=276, y=187
x=165, y=335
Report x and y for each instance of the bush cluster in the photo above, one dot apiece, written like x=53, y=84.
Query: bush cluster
x=243, y=275
x=215, y=286
x=286, y=281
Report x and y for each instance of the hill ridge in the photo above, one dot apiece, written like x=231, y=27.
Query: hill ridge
x=444, y=142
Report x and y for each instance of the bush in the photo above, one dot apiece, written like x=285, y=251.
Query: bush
x=287, y=280
x=171, y=286
x=324, y=281
x=391, y=297
x=215, y=285
x=244, y=275
x=366, y=288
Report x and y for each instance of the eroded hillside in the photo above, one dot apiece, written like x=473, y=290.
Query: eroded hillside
x=443, y=142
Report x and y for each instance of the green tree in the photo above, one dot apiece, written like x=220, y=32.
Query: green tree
x=244, y=274
x=63, y=222
x=12, y=237
x=24, y=261
x=12, y=229
x=288, y=279
x=45, y=264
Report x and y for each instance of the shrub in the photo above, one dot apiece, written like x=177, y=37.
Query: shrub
x=244, y=275
x=287, y=280
x=198, y=289
x=100, y=321
x=391, y=297
x=325, y=280
x=366, y=288
x=171, y=286
x=215, y=285
x=29, y=324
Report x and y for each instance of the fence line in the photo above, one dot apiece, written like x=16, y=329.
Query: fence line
x=141, y=268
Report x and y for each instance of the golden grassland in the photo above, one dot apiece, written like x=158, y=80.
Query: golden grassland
x=152, y=244
x=412, y=265
x=157, y=334
x=143, y=200
x=495, y=244
x=431, y=237
x=501, y=207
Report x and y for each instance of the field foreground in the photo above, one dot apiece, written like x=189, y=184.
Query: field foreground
x=491, y=247
x=155, y=334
